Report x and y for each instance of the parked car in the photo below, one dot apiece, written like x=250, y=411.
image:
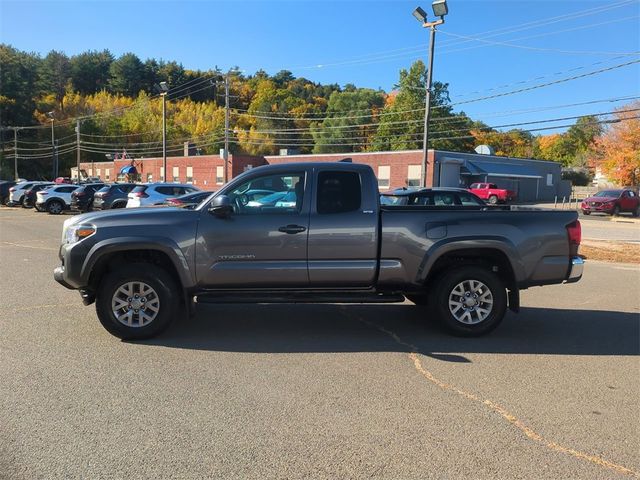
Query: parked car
x=190, y=200
x=5, y=185
x=60, y=180
x=144, y=267
x=612, y=202
x=55, y=199
x=30, y=198
x=112, y=196
x=82, y=197
x=436, y=197
x=16, y=193
x=491, y=193
x=156, y=193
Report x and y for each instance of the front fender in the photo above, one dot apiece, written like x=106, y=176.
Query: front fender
x=123, y=244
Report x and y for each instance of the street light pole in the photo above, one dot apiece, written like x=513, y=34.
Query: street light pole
x=15, y=152
x=53, y=146
x=226, y=127
x=164, y=87
x=440, y=10
x=78, y=151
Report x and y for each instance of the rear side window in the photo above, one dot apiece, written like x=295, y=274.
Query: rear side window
x=65, y=189
x=166, y=190
x=139, y=189
x=338, y=192
x=126, y=188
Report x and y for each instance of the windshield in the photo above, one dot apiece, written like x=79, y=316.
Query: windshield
x=393, y=200
x=608, y=193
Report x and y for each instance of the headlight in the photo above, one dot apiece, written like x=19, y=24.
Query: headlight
x=75, y=233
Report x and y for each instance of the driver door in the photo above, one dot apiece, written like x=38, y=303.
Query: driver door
x=263, y=244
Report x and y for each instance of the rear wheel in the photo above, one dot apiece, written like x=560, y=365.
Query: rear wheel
x=493, y=199
x=616, y=211
x=586, y=212
x=469, y=301
x=136, y=301
x=636, y=212
x=55, y=207
x=119, y=205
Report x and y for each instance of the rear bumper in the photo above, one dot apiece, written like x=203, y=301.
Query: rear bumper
x=575, y=270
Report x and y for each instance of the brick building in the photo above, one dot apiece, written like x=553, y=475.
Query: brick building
x=534, y=180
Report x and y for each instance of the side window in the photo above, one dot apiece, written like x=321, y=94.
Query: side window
x=66, y=189
x=424, y=199
x=444, y=199
x=466, y=199
x=631, y=194
x=165, y=190
x=282, y=193
x=339, y=192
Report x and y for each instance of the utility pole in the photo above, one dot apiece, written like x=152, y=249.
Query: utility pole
x=226, y=126
x=78, y=150
x=164, y=135
x=15, y=153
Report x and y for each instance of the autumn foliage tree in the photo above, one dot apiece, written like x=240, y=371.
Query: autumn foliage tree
x=617, y=150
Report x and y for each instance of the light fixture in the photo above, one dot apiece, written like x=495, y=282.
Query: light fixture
x=440, y=8
x=164, y=86
x=420, y=15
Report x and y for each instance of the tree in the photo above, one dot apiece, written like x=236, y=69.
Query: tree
x=54, y=74
x=18, y=76
x=514, y=143
x=402, y=120
x=350, y=123
x=617, y=150
x=90, y=71
x=128, y=75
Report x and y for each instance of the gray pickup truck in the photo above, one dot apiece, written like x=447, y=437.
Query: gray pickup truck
x=313, y=232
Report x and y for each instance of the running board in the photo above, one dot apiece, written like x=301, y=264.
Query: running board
x=299, y=297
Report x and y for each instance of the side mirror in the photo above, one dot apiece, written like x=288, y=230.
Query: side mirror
x=221, y=206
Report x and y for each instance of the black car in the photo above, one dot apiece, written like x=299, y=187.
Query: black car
x=5, y=185
x=82, y=198
x=30, y=198
x=432, y=197
x=112, y=196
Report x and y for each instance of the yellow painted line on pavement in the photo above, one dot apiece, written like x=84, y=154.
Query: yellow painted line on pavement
x=414, y=355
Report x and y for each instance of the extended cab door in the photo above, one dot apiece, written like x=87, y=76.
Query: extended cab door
x=263, y=244
x=343, y=227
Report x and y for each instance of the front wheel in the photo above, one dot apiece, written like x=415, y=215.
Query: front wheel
x=616, y=211
x=636, y=212
x=470, y=301
x=586, y=212
x=137, y=301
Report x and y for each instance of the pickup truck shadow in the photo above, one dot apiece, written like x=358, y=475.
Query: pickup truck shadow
x=359, y=328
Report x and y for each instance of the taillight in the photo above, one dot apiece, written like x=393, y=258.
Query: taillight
x=12, y=189
x=574, y=231
x=140, y=195
x=43, y=193
x=79, y=194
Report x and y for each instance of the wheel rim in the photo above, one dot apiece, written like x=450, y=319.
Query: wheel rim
x=55, y=207
x=135, y=304
x=470, y=302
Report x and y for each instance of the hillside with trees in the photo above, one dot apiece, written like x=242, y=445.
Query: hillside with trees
x=117, y=102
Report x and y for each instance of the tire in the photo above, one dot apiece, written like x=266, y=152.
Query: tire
x=616, y=211
x=472, y=320
x=586, y=212
x=118, y=205
x=493, y=200
x=160, y=292
x=55, y=207
x=636, y=212
x=20, y=201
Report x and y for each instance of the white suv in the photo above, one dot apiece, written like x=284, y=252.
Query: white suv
x=16, y=193
x=55, y=199
x=156, y=193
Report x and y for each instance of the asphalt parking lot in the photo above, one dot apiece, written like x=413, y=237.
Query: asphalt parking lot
x=315, y=391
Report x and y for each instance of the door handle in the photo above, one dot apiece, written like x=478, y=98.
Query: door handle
x=292, y=229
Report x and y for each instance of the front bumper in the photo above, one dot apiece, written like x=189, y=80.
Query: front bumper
x=575, y=270
x=597, y=208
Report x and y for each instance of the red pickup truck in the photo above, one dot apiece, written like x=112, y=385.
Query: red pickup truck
x=491, y=193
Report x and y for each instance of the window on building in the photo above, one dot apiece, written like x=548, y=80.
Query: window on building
x=219, y=175
x=384, y=176
x=107, y=174
x=98, y=172
x=189, y=175
x=149, y=178
x=549, y=179
x=338, y=192
x=162, y=174
x=176, y=174
x=413, y=175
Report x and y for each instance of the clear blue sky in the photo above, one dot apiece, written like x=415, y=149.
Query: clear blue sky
x=365, y=43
